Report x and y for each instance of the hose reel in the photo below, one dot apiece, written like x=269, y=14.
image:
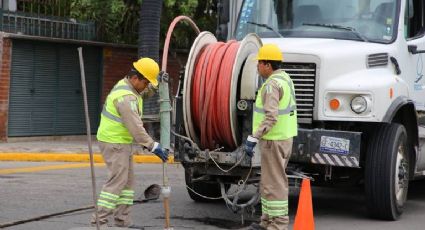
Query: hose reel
x=217, y=74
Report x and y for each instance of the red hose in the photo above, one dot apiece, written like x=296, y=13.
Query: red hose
x=168, y=37
x=211, y=94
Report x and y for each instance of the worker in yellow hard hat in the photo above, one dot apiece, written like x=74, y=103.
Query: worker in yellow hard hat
x=121, y=126
x=274, y=126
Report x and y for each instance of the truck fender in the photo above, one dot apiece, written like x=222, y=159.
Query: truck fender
x=402, y=110
x=396, y=106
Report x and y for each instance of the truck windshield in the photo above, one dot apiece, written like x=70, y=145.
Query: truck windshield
x=362, y=20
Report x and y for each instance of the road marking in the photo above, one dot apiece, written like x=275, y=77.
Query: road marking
x=74, y=157
x=47, y=167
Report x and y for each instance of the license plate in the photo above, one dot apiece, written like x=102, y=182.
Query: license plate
x=334, y=145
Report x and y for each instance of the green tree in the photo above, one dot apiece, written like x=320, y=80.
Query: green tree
x=117, y=20
x=202, y=12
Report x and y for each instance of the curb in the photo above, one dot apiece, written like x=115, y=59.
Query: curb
x=73, y=157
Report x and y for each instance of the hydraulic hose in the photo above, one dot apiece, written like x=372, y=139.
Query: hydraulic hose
x=165, y=109
x=211, y=92
x=47, y=216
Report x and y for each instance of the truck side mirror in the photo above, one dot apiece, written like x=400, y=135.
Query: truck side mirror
x=413, y=49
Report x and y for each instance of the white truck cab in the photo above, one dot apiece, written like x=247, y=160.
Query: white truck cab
x=357, y=67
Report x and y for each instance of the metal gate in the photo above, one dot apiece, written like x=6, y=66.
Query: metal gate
x=45, y=89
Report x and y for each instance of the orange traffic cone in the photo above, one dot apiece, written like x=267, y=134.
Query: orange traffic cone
x=304, y=219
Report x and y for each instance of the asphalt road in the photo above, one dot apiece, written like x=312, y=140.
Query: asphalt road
x=29, y=190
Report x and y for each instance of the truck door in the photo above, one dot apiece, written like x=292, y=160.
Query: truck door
x=414, y=31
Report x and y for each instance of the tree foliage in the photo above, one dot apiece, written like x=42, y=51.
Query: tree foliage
x=203, y=13
x=117, y=20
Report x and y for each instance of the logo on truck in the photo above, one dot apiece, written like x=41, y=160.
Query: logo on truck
x=419, y=74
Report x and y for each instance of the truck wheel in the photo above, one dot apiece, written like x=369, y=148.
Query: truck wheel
x=203, y=188
x=387, y=172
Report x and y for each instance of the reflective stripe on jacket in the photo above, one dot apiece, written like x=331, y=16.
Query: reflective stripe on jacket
x=111, y=128
x=286, y=125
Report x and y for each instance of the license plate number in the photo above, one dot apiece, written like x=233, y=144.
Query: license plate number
x=334, y=145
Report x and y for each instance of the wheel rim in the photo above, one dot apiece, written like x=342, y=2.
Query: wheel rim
x=401, y=176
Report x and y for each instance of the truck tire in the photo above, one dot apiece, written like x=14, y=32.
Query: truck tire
x=203, y=188
x=387, y=172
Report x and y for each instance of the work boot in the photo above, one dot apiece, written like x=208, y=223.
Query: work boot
x=255, y=226
x=101, y=225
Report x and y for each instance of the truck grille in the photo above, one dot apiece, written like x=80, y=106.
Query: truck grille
x=304, y=77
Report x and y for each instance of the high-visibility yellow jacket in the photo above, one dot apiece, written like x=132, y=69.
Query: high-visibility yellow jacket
x=111, y=128
x=286, y=125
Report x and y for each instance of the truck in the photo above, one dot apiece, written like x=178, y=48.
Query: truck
x=358, y=71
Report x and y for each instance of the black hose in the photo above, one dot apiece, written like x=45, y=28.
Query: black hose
x=47, y=216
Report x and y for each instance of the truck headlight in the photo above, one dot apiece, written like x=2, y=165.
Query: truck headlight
x=359, y=104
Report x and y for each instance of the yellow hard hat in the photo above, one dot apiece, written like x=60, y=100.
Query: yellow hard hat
x=148, y=68
x=269, y=52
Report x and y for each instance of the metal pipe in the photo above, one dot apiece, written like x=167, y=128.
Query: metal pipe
x=93, y=177
x=165, y=123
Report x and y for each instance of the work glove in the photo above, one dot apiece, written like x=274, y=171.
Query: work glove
x=160, y=152
x=152, y=88
x=249, y=145
x=163, y=77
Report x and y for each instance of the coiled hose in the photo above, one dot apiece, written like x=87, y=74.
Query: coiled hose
x=211, y=94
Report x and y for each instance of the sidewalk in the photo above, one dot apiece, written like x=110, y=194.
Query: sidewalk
x=61, y=149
